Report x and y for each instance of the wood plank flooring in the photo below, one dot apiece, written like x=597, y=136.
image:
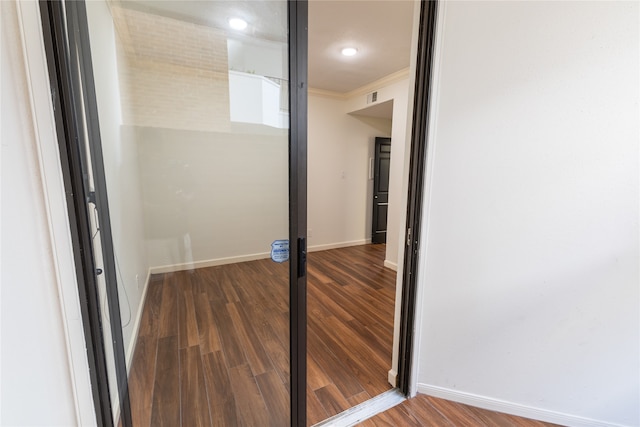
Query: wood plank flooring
x=213, y=346
x=430, y=411
x=350, y=328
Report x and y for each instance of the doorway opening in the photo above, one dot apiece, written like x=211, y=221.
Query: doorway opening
x=344, y=122
x=200, y=359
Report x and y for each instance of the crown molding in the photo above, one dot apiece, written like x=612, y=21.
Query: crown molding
x=326, y=93
x=384, y=81
x=370, y=87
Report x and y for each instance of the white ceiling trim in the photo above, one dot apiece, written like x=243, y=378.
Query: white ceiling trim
x=368, y=88
x=384, y=81
x=326, y=93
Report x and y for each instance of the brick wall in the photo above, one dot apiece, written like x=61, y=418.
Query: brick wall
x=173, y=74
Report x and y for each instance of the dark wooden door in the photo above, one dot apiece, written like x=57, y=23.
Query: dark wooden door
x=380, y=190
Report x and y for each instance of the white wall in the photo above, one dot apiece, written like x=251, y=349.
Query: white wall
x=39, y=325
x=192, y=188
x=339, y=189
x=222, y=197
x=209, y=196
x=529, y=284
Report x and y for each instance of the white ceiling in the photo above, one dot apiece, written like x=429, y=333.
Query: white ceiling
x=380, y=30
x=267, y=19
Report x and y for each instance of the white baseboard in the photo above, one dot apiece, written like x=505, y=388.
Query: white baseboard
x=134, y=338
x=392, y=377
x=208, y=263
x=512, y=408
x=252, y=257
x=136, y=326
x=392, y=265
x=317, y=248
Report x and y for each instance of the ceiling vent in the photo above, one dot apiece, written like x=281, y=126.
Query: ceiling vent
x=372, y=97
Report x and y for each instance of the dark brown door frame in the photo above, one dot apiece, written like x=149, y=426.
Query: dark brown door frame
x=298, y=86
x=67, y=49
x=418, y=158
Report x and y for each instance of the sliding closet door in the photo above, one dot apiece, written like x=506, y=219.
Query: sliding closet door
x=190, y=121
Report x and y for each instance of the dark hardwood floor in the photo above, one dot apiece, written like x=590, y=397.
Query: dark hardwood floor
x=213, y=343
x=430, y=411
x=213, y=347
x=350, y=328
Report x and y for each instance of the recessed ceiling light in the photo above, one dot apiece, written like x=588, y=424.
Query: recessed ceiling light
x=349, y=51
x=237, y=23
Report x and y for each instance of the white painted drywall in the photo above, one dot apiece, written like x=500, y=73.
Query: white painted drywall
x=217, y=196
x=398, y=92
x=397, y=191
x=209, y=196
x=36, y=379
x=339, y=189
x=529, y=284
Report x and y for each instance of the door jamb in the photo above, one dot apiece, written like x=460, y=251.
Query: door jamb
x=67, y=131
x=78, y=34
x=298, y=85
x=418, y=159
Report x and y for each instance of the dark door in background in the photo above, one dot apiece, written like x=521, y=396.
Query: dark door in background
x=381, y=190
